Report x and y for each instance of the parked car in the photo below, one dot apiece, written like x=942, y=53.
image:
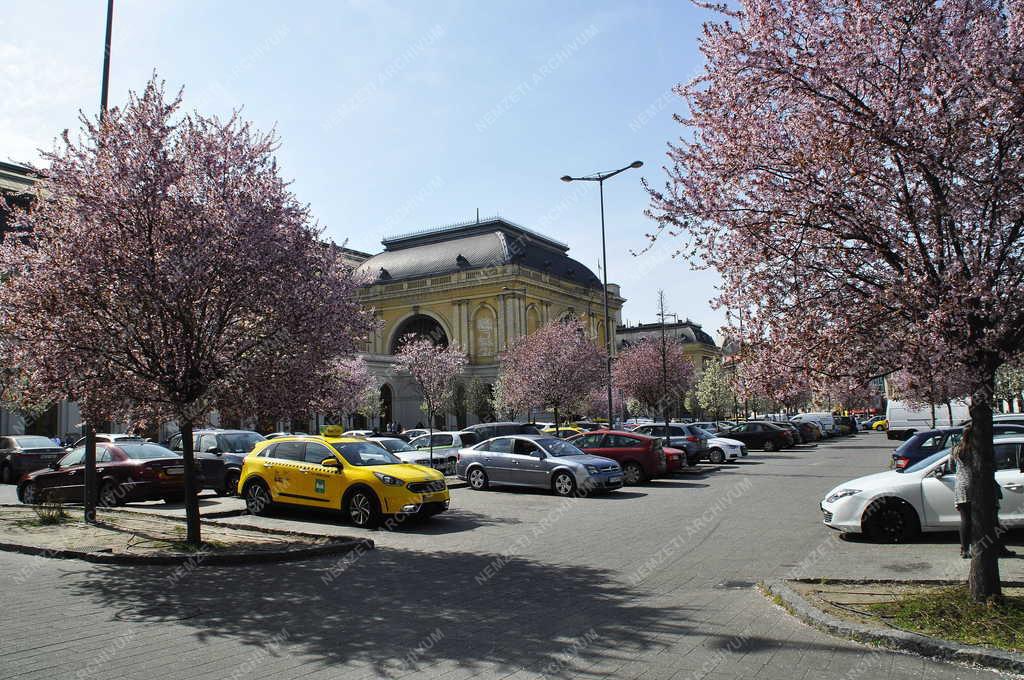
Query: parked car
x=722, y=449
x=563, y=431
x=687, y=438
x=414, y=432
x=487, y=430
x=881, y=425
x=24, y=453
x=809, y=430
x=107, y=438
x=869, y=423
x=347, y=474
x=446, y=448
x=220, y=454
x=641, y=457
x=537, y=461
x=794, y=431
x=126, y=470
x=589, y=425
x=358, y=433
x=826, y=420
x=846, y=424
x=275, y=435
x=895, y=506
x=760, y=434
x=924, y=444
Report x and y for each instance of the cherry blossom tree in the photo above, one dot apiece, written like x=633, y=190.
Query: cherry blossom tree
x=435, y=370
x=478, y=399
x=715, y=393
x=347, y=388
x=1010, y=383
x=554, y=367
x=656, y=374
x=165, y=268
x=855, y=172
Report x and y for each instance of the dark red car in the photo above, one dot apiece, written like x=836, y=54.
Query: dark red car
x=642, y=458
x=126, y=471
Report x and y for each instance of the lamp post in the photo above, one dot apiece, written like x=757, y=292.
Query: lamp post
x=664, y=361
x=89, y=495
x=600, y=177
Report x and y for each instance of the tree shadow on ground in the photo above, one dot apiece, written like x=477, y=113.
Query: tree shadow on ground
x=394, y=612
x=383, y=607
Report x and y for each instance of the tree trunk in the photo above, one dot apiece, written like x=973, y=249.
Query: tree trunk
x=430, y=432
x=949, y=409
x=193, y=535
x=933, y=415
x=984, y=576
x=556, y=420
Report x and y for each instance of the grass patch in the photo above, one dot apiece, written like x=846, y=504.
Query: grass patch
x=949, y=613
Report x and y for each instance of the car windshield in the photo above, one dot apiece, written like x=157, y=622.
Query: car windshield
x=702, y=432
x=559, y=447
x=35, y=442
x=927, y=462
x=395, y=445
x=240, y=442
x=365, y=453
x=145, y=451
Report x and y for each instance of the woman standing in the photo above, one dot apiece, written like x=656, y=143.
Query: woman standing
x=961, y=453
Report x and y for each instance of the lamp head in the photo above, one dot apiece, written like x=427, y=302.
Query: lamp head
x=636, y=164
x=566, y=178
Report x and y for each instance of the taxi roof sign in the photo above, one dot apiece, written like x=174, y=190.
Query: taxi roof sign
x=331, y=431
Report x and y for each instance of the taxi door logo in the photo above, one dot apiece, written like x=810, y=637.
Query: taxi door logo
x=320, y=486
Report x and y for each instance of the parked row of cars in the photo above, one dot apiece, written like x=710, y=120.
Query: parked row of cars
x=916, y=494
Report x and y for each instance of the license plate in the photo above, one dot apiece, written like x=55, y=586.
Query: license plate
x=615, y=480
x=438, y=496
x=180, y=470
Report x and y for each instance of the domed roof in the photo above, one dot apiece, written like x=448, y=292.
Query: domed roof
x=475, y=245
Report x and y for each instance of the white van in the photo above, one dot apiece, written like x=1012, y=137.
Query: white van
x=826, y=420
x=905, y=420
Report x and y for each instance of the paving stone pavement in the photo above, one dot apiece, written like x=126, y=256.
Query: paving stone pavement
x=655, y=581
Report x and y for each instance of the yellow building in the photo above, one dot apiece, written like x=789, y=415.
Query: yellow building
x=479, y=286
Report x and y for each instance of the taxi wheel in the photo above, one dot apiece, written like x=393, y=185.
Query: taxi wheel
x=564, y=484
x=257, y=498
x=363, y=509
x=478, y=479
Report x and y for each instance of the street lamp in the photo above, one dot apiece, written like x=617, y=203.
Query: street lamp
x=600, y=177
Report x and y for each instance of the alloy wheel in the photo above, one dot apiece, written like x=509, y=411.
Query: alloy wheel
x=477, y=479
x=359, y=509
x=633, y=474
x=28, y=494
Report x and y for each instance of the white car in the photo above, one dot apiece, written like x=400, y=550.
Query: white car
x=895, y=506
x=357, y=433
x=446, y=448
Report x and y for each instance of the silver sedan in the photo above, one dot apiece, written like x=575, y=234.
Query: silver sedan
x=539, y=461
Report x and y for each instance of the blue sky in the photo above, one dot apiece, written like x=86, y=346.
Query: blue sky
x=400, y=116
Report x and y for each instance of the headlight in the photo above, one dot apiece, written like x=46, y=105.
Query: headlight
x=842, y=493
x=388, y=479
x=592, y=470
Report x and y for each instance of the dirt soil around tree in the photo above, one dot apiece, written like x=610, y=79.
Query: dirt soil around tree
x=56, y=531
x=937, y=610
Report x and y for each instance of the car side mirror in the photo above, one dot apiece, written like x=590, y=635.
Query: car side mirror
x=216, y=451
x=331, y=463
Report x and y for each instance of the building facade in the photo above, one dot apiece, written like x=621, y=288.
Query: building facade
x=479, y=286
x=699, y=347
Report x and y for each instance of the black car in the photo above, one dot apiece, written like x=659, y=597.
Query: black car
x=24, y=453
x=760, y=434
x=798, y=435
x=220, y=454
x=923, y=444
x=487, y=430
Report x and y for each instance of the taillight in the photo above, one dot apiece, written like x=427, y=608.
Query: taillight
x=693, y=438
x=902, y=462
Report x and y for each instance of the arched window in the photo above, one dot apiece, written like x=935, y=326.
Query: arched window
x=532, y=319
x=421, y=326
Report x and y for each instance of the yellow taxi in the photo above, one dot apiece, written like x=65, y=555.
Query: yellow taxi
x=349, y=474
x=881, y=425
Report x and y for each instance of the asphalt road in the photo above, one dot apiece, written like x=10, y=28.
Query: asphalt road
x=656, y=581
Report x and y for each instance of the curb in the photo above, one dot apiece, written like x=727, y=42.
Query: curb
x=889, y=638
x=326, y=547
